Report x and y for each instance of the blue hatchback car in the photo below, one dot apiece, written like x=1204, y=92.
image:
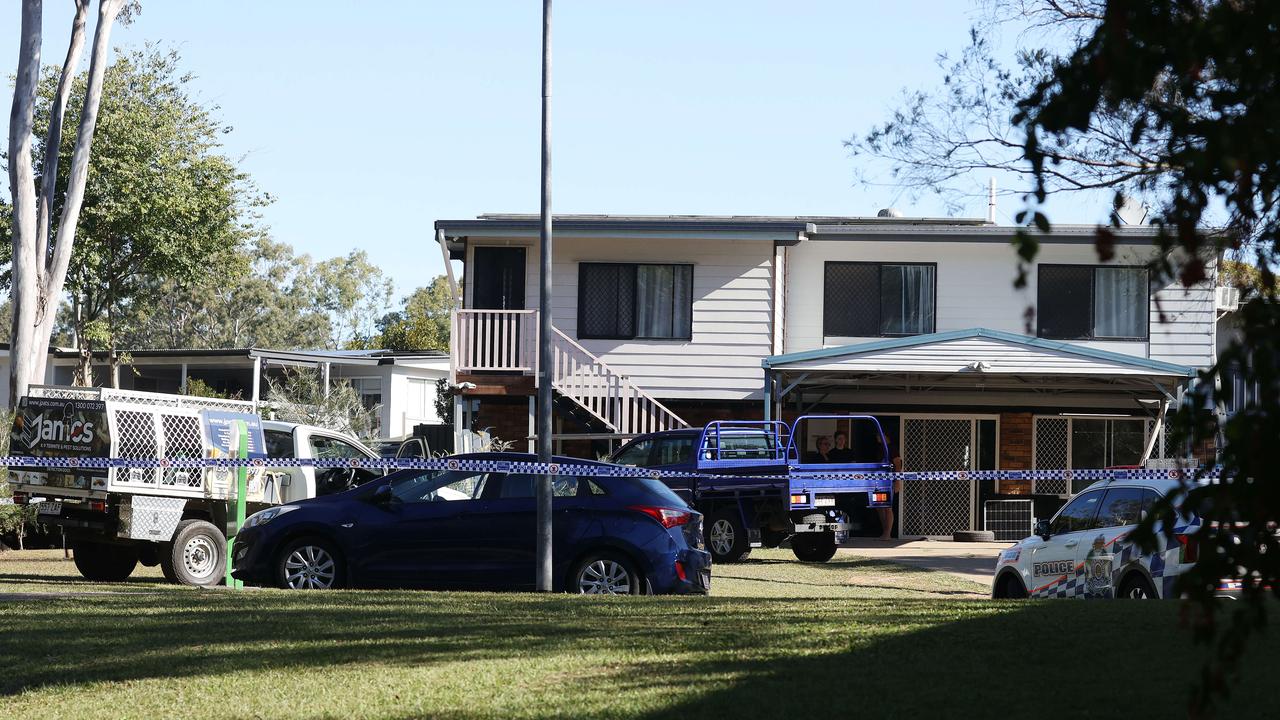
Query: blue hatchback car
x=475, y=530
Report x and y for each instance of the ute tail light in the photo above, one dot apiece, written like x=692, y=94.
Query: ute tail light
x=1190, y=550
x=667, y=517
x=98, y=505
x=19, y=498
x=880, y=497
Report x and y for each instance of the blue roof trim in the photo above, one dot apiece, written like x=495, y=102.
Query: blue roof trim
x=1055, y=345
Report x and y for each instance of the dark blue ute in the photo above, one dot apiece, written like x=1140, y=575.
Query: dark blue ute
x=476, y=530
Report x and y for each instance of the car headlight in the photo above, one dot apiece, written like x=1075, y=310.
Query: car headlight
x=262, y=517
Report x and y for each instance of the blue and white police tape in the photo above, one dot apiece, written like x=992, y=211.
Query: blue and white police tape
x=535, y=468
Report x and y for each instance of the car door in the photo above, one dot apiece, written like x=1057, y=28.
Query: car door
x=422, y=536
x=504, y=525
x=1053, y=561
x=1120, y=511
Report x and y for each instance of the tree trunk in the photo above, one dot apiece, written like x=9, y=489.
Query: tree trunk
x=53, y=146
x=38, y=289
x=23, y=191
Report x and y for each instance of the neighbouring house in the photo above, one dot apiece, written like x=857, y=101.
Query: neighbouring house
x=402, y=385
x=663, y=322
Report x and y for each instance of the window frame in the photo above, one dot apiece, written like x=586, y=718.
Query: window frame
x=879, y=296
x=1093, y=285
x=635, y=309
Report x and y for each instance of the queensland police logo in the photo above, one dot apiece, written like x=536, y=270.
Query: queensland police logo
x=453, y=465
x=553, y=469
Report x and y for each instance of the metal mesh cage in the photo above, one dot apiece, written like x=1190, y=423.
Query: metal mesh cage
x=181, y=440
x=937, y=507
x=1052, y=434
x=851, y=300
x=136, y=438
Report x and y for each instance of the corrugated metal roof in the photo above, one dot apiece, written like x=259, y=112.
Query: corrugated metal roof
x=1046, y=356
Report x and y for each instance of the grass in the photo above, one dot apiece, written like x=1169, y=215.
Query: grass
x=776, y=639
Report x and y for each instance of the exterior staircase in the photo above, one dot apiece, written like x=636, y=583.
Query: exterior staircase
x=506, y=341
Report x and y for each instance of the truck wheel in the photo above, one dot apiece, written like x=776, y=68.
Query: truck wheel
x=104, y=562
x=814, y=547
x=197, y=555
x=727, y=538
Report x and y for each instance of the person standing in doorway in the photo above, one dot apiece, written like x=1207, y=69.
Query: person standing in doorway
x=842, y=452
x=823, y=453
x=886, y=513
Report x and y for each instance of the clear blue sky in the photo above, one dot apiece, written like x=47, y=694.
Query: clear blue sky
x=368, y=121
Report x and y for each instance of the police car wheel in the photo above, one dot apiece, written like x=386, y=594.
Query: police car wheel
x=1136, y=587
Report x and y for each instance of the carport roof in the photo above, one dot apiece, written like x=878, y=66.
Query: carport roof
x=976, y=350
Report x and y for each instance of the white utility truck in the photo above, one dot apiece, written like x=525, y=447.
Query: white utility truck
x=175, y=517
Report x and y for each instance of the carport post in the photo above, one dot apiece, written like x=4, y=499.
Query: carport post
x=768, y=394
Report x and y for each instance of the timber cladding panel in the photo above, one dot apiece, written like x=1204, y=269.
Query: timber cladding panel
x=1015, y=450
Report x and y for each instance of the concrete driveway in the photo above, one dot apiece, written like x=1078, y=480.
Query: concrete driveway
x=972, y=561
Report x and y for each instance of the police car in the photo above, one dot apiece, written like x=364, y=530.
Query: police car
x=1085, y=552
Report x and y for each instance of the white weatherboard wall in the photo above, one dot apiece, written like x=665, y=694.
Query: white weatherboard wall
x=975, y=289
x=732, y=311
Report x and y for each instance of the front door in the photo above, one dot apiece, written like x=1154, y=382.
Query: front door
x=498, y=278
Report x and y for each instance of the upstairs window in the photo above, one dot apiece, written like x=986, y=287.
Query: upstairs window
x=879, y=299
x=621, y=301
x=1086, y=302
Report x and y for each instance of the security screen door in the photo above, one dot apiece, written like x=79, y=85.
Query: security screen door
x=938, y=507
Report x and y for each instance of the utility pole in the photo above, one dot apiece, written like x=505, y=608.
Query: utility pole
x=544, y=319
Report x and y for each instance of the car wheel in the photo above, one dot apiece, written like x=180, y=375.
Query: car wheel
x=197, y=556
x=814, y=547
x=726, y=537
x=309, y=564
x=1137, y=587
x=104, y=562
x=1010, y=588
x=605, y=574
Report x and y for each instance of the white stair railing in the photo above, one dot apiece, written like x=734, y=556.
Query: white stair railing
x=607, y=395
x=507, y=341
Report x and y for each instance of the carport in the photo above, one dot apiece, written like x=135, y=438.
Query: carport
x=982, y=399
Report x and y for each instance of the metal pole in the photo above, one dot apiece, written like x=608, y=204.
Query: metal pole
x=544, y=319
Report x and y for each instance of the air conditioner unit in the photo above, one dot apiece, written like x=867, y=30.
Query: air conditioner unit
x=1228, y=299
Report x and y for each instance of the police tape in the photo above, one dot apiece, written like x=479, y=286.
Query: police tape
x=535, y=468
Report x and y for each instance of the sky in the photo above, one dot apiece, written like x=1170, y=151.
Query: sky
x=369, y=121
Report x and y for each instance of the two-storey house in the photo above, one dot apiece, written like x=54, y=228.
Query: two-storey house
x=669, y=321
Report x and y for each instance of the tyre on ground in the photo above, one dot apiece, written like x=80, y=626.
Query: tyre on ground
x=196, y=556
x=1010, y=588
x=605, y=573
x=104, y=562
x=814, y=547
x=1137, y=587
x=310, y=563
x=773, y=538
x=727, y=539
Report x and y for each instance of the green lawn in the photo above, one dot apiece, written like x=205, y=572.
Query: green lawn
x=776, y=640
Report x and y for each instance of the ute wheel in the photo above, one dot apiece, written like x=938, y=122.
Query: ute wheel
x=772, y=538
x=309, y=564
x=104, y=562
x=726, y=537
x=197, y=555
x=814, y=547
x=605, y=573
x=1136, y=587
